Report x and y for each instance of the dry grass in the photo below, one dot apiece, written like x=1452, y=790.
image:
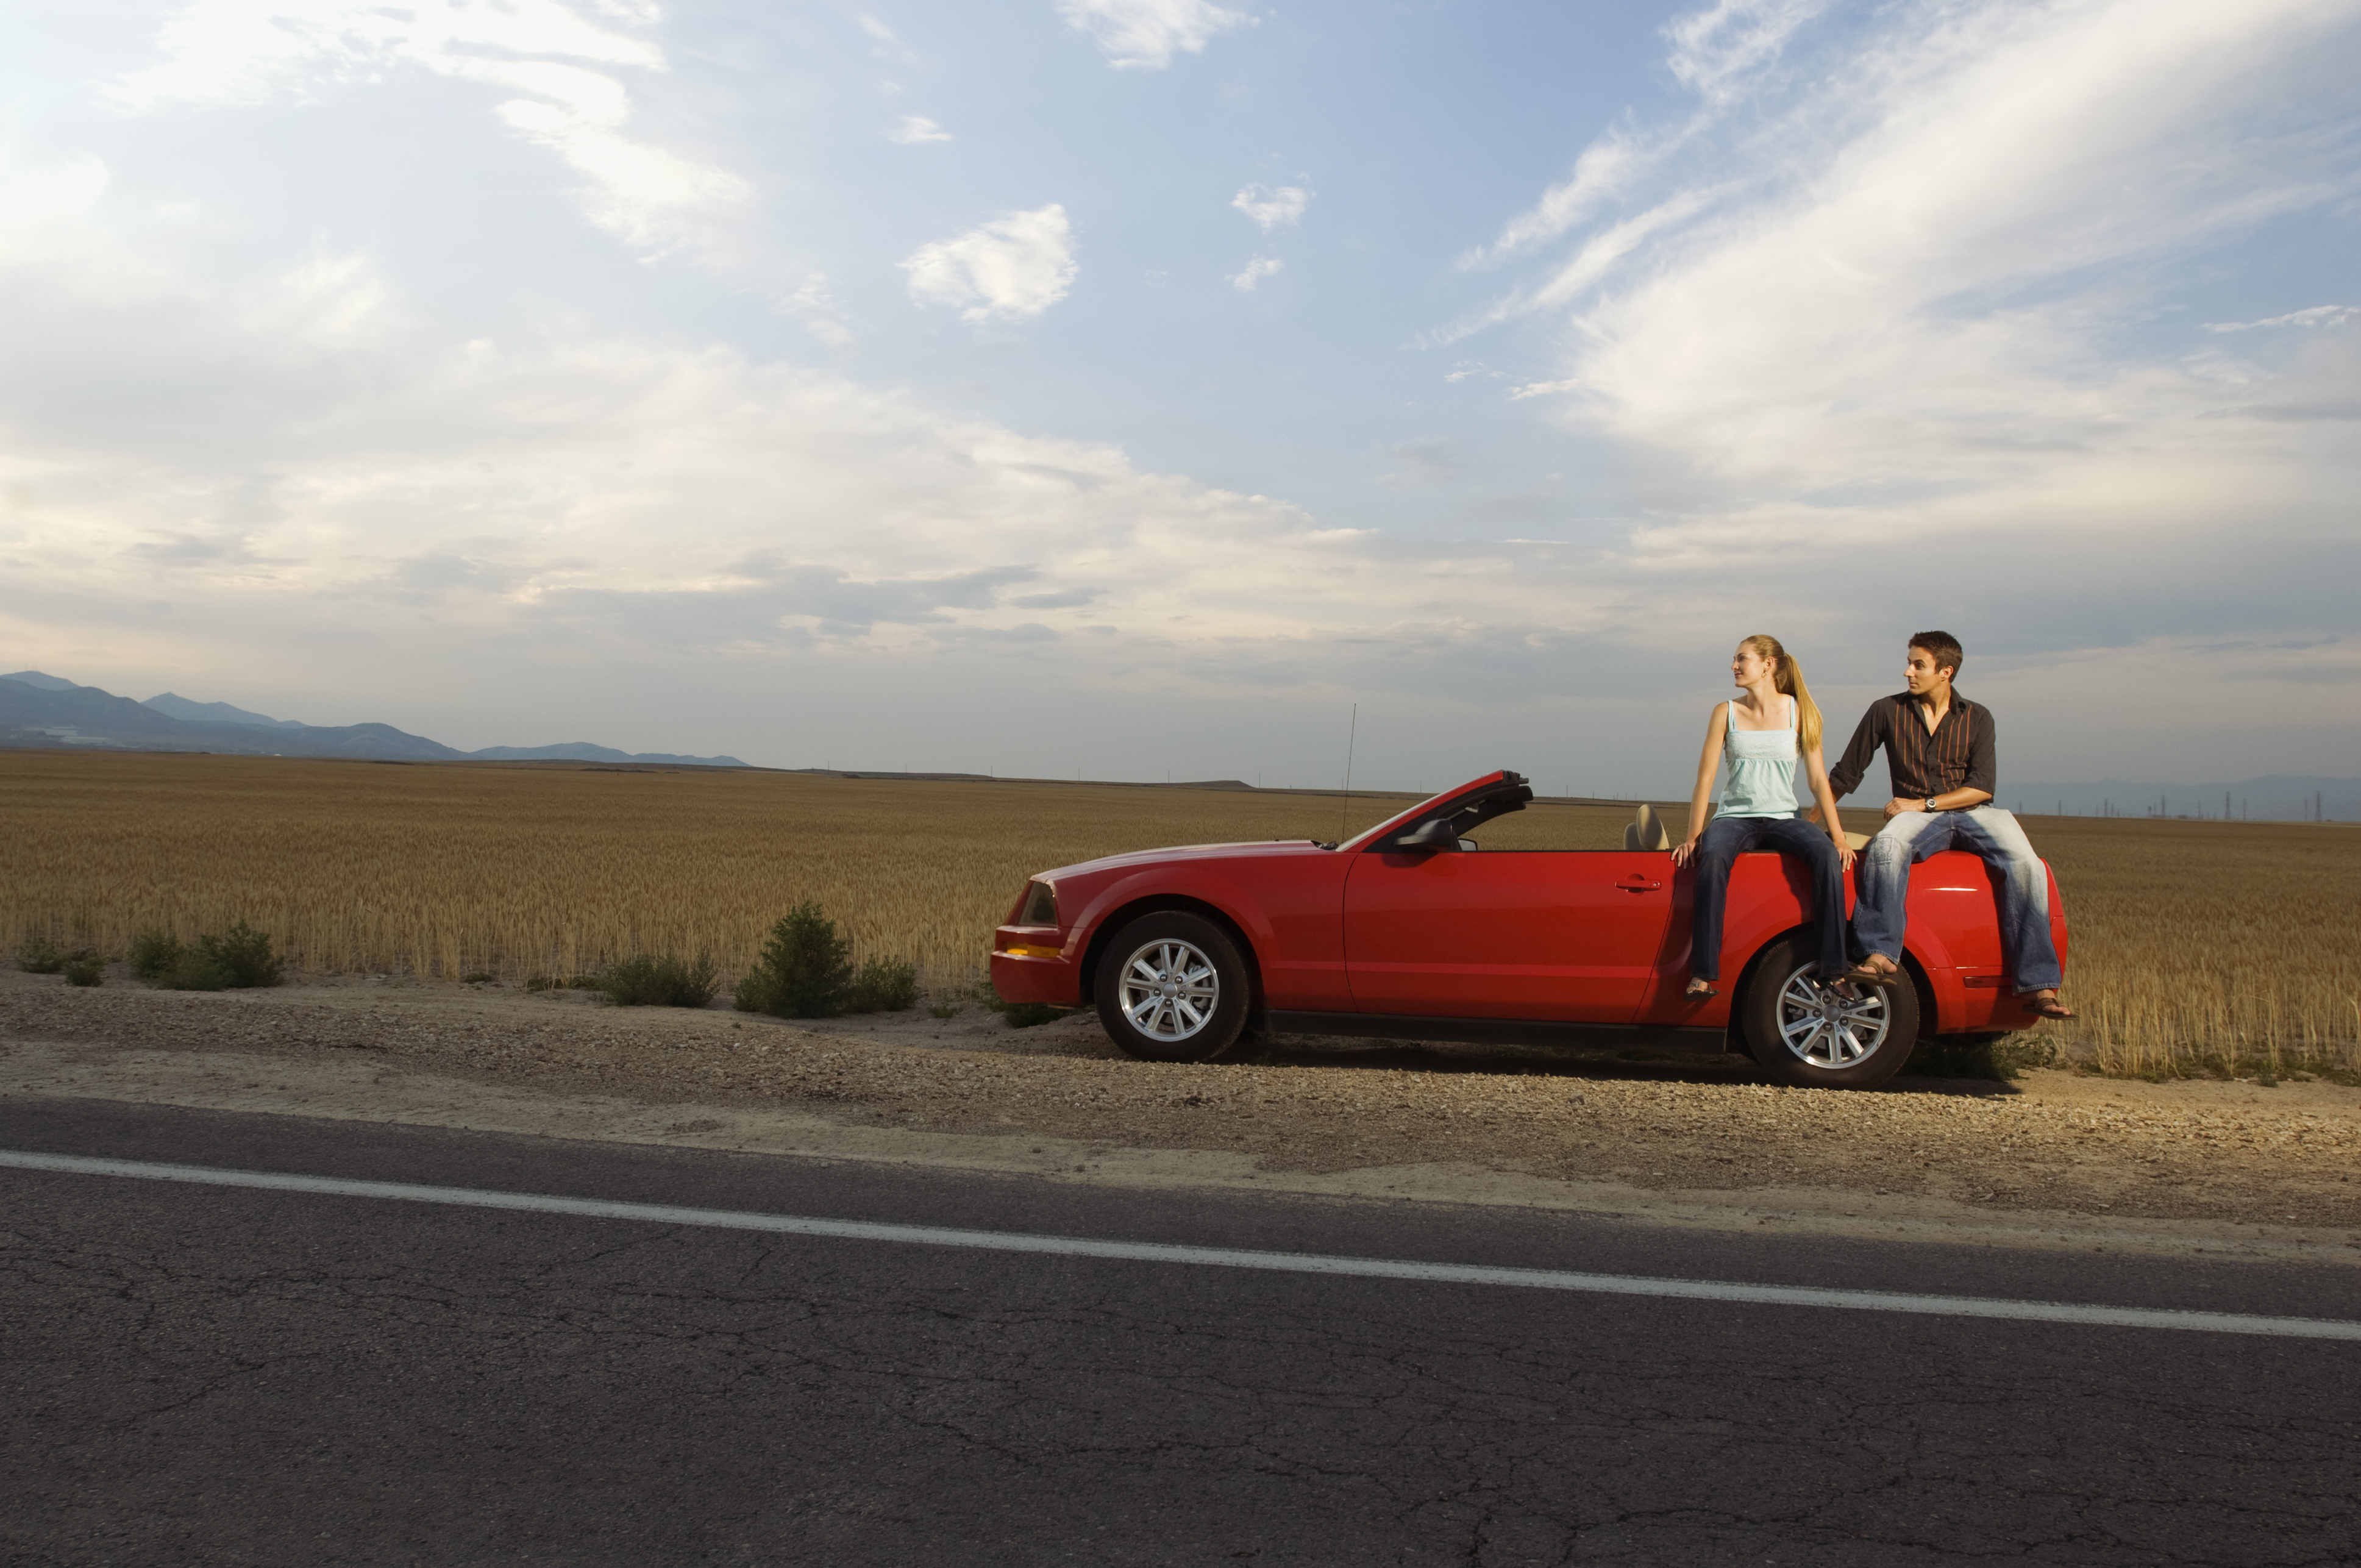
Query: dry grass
x=2212, y=945
x=359, y=866
x=2195, y=945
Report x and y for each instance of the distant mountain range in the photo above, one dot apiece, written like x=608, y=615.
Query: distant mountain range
x=39, y=709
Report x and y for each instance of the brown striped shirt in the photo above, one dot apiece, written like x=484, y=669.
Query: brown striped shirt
x=1958, y=754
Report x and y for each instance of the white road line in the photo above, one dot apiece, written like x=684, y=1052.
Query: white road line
x=1207, y=1257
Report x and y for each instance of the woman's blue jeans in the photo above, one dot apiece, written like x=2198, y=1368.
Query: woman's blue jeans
x=1726, y=839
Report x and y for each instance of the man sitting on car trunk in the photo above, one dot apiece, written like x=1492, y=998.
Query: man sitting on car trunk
x=1939, y=750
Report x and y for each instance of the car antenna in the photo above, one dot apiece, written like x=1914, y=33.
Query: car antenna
x=1344, y=813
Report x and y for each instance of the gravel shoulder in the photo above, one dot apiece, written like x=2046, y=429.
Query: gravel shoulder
x=2058, y=1159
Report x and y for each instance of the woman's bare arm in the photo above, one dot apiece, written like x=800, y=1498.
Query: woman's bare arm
x=1816, y=771
x=1708, y=763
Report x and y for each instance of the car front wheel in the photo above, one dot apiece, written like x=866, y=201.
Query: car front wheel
x=1816, y=1036
x=1172, y=987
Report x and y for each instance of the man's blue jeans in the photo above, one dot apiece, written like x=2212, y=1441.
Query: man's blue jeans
x=1884, y=875
x=1726, y=839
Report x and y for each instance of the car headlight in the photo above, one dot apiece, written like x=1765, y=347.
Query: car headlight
x=1039, y=906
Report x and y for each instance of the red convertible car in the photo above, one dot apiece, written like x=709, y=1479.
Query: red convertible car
x=1414, y=930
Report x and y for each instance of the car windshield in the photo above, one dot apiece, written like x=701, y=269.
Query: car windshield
x=1499, y=820
x=1473, y=807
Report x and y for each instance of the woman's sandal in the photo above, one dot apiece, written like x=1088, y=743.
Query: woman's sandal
x=1696, y=993
x=2047, y=1007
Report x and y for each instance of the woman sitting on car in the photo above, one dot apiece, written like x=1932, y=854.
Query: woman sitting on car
x=1760, y=733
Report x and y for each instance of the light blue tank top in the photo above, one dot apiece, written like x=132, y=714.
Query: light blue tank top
x=1762, y=769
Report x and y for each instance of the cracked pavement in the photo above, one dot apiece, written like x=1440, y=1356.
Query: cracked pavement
x=222, y=1376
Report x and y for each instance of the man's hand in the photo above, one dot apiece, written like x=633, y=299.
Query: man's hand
x=1895, y=808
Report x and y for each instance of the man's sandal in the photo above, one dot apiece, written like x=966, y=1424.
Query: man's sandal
x=1700, y=994
x=1861, y=974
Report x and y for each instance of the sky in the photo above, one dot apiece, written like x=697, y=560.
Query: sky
x=1144, y=389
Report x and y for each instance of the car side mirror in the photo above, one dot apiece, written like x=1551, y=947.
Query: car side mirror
x=1427, y=837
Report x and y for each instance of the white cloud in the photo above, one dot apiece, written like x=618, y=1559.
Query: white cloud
x=546, y=483
x=1148, y=33
x=1936, y=288
x=1598, y=255
x=822, y=314
x=33, y=200
x=1716, y=49
x=1909, y=282
x=1254, y=272
x=914, y=129
x=298, y=458
x=255, y=52
x=1269, y=208
x=561, y=58
x=2318, y=315
x=1017, y=264
x=650, y=199
x=887, y=45
x=1604, y=170
x=1721, y=53
x=1892, y=305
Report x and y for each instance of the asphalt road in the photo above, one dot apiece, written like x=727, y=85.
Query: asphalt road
x=211, y=1374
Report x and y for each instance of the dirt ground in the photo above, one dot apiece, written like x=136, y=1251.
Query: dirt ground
x=2057, y=1158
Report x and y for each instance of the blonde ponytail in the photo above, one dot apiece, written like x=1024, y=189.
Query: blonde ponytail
x=1789, y=681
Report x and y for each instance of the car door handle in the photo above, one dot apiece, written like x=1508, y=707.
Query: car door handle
x=1638, y=882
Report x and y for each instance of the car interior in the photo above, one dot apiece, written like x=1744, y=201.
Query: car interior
x=1509, y=819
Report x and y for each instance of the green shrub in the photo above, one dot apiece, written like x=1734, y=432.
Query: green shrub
x=804, y=972
x=561, y=982
x=40, y=955
x=192, y=971
x=237, y=960
x=651, y=982
x=244, y=955
x=883, y=985
x=154, y=954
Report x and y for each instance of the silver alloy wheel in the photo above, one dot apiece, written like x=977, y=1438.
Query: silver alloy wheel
x=1825, y=1028
x=1169, y=989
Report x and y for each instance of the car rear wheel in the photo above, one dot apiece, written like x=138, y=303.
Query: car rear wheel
x=1814, y=1036
x=1172, y=987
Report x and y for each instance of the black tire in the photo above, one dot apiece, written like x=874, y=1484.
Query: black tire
x=1802, y=1034
x=1172, y=987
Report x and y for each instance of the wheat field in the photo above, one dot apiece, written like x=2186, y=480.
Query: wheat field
x=2193, y=943
x=2228, y=944
x=444, y=869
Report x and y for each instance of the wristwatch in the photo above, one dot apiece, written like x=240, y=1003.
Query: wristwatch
x=1928, y=803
